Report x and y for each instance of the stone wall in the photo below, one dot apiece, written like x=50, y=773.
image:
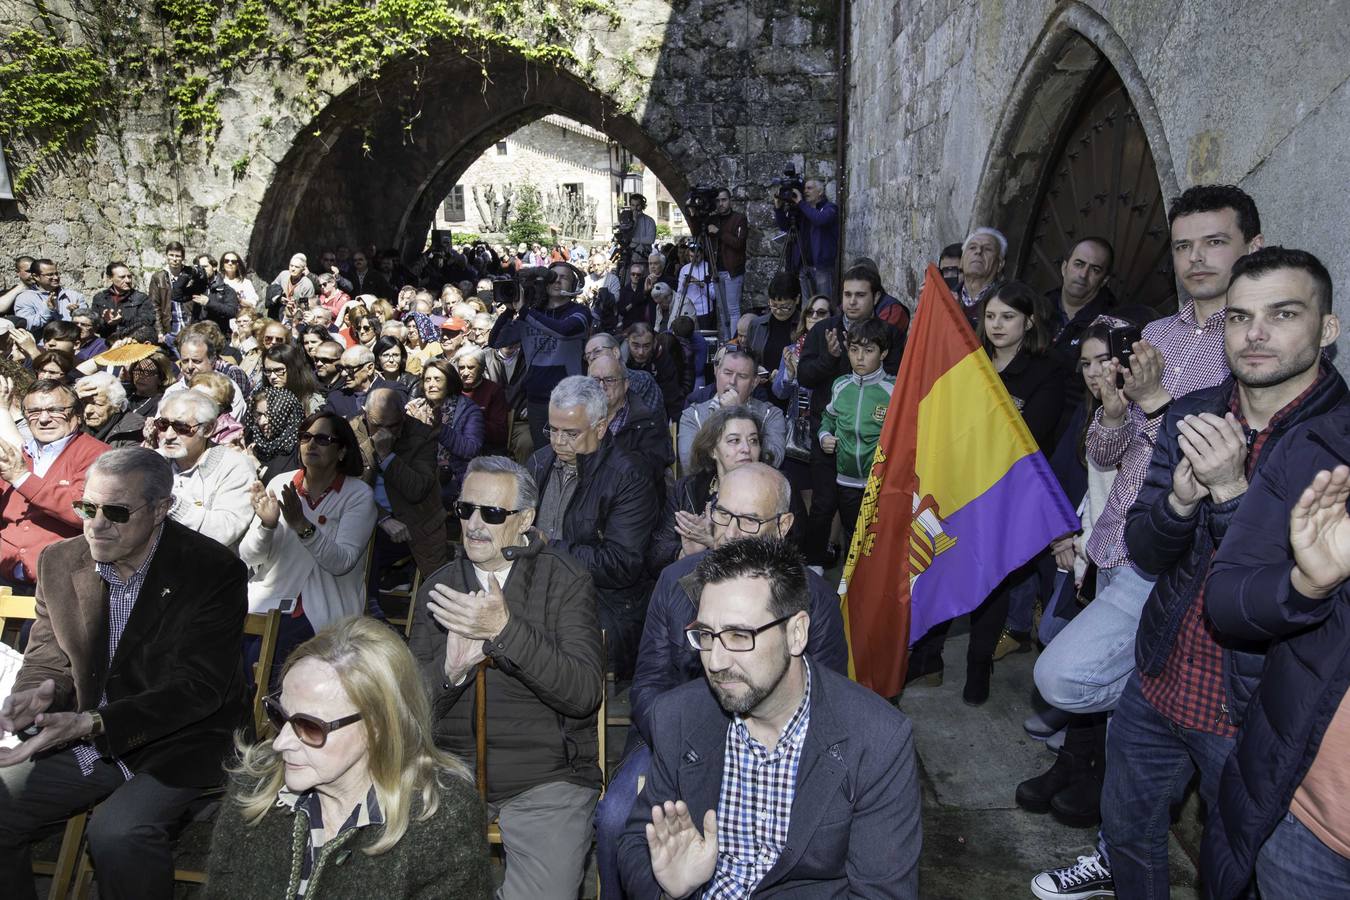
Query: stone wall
x=700, y=90
x=953, y=104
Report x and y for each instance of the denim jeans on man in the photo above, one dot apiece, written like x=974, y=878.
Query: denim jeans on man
x=730, y=302
x=1294, y=862
x=1149, y=762
x=611, y=813
x=1084, y=669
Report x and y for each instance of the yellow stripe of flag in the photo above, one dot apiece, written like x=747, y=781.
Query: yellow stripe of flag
x=962, y=435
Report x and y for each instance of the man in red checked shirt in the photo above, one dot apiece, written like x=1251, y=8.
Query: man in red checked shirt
x=1179, y=712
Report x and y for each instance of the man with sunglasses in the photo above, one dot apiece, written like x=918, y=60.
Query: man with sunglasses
x=327, y=356
x=356, y=377
x=211, y=484
x=754, y=501
x=40, y=478
x=774, y=744
x=526, y=611
x=134, y=665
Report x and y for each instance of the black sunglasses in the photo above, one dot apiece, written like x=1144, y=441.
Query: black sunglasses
x=492, y=515
x=182, y=428
x=311, y=731
x=353, y=369
x=118, y=515
x=323, y=440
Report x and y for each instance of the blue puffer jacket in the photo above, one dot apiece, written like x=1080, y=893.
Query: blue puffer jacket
x=1178, y=551
x=1249, y=596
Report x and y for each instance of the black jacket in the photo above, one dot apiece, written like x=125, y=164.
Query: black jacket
x=138, y=317
x=645, y=437
x=817, y=369
x=663, y=367
x=222, y=304
x=690, y=493
x=1249, y=597
x=545, y=681
x=1178, y=551
x=609, y=521
x=1036, y=384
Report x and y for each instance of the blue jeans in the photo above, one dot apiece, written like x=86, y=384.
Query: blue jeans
x=611, y=815
x=1149, y=762
x=1294, y=862
x=1084, y=669
x=730, y=313
x=1052, y=623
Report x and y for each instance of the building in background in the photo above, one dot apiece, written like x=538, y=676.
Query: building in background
x=582, y=176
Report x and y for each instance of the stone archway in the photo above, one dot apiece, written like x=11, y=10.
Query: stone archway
x=1079, y=80
x=370, y=180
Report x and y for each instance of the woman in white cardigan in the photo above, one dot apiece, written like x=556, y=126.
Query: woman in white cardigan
x=309, y=542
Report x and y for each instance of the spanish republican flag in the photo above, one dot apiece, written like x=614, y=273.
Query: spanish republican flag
x=958, y=497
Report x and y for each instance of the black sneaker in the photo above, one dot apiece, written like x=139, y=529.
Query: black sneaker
x=1088, y=878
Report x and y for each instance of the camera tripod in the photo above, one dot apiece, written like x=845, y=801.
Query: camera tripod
x=713, y=281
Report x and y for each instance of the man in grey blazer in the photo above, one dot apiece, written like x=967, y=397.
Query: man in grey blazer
x=772, y=776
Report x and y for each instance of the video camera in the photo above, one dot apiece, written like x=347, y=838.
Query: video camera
x=190, y=282
x=702, y=201
x=789, y=183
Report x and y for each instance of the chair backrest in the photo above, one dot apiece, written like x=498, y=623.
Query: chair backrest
x=480, y=723
x=12, y=607
x=265, y=626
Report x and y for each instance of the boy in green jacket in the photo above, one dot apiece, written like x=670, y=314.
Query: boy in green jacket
x=850, y=427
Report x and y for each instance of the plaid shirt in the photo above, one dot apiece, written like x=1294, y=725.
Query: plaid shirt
x=1190, y=688
x=237, y=375
x=1193, y=358
x=121, y=599
x=367, y=813
x=755, y=805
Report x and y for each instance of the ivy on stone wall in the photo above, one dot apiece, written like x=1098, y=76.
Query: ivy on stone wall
x=51, y=94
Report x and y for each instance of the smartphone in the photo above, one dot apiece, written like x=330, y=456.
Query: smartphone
x=1120, y=344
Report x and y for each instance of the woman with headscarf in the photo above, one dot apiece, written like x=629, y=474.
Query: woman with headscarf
x=272, y=430
x=422, y=341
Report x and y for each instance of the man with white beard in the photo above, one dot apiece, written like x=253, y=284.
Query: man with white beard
x=211, y=483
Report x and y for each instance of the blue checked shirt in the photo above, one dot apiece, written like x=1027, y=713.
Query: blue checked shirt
x=755, y=806
x=121, y=599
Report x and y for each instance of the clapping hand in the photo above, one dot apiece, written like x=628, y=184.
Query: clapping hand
x=420, y=410
x=832, y=343
x=1217, y=451
x=1319, y=534
x=1143, y=377
x=682, y=859
x=265, y=505
x=290, y=507
x=477, y=615
x=1114, y=401
x=695, y=531
x=12, y=463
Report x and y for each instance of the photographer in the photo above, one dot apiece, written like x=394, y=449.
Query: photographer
x=213, y=300
x=816, y=223
x=695, y=276
x=643, y=236
x=728, y=229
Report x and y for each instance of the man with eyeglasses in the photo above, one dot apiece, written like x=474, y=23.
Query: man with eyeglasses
x=523, y=612
x=595, y=503
x=212, y=484
x=643, y=384
x=40, y=476
x=754, y=501
x=122, y=311
x=774, y=744
x=356, y=377
x=634, y=428
x=134, y=665
x=46, y=299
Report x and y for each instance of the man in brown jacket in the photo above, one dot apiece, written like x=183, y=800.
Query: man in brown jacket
x=134, y=662
x=399, y=453
x=527, y=612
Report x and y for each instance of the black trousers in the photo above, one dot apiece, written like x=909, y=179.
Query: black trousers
x=130, y=838
x=824, y=504
x=986, y=626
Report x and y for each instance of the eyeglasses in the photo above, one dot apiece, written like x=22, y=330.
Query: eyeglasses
x=817, y=313
x=118, y=515
x=279, y=371
x=492, y=515
x=352, y=369
x=610, y=380
x=737, y=640
x=56, y=412
x=182, y=428
x=744, y=523
x=365, y=326
x=326, y=360
x=312, y=732
x=783, y=304
x=566, y=435
x=229, y=262
x=323, y=440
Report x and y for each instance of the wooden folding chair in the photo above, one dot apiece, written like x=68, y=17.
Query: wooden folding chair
x=266, y=627
x=404, y=623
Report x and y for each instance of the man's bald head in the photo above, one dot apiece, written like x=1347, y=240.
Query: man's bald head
x=384, y=407
x=753, y=492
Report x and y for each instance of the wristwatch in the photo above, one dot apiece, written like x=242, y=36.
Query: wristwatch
x=307, y=533
x=95, y=725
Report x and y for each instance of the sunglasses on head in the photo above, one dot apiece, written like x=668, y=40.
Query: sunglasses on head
x=492, y=515
x=312, y=732
x=323, y=440
x=114, y=513
x=182, y=428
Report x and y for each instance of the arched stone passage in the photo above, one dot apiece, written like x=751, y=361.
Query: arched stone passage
x=1077, y=53
x=366, y=178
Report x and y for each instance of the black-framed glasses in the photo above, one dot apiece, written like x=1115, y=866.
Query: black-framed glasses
x=181, y=428
x=351, y=370
x=492, y=515
x=323, y=440
x=113, y=512
x=311, y=731
x=737, y=640
x=746, y=524
x=279, y=372
x=326, y=360
x=610, y=380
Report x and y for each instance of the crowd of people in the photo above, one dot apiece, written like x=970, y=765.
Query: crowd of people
x=603, y=461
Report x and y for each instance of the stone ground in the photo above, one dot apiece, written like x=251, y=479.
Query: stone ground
x=977, y=844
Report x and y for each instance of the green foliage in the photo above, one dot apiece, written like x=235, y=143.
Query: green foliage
x=662, y=230
x=527, y=221
x=49, y=94
x=239, y=168
x=465, y=238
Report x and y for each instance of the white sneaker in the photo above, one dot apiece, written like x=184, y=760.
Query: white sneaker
x=1088, y=878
